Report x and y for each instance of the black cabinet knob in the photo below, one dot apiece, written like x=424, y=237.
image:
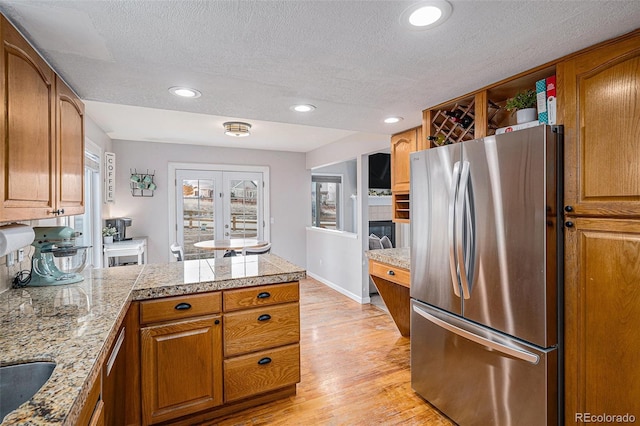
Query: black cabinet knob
x=264, y=317
x=264, y=295
x=182, y=306
x=264, y=361
x=390, y=272
x=569, y=224
x=568, y=208
x=216, y=322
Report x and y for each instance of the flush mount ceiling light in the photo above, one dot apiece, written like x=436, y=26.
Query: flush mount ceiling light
x=425, y=15
x=303, y=108
x=237, y=129
x=185, y=92
x=392, y=120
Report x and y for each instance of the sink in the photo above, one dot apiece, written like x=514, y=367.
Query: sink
x=19, y=382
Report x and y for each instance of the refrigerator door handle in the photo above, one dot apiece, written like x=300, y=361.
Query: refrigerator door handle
x=514, y=352
x=459, y=223
x=453, y=191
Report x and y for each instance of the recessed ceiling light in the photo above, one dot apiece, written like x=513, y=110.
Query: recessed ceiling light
x=185, y=92
x=237, y=129
x=392, y=120
x=303, y=108
x=427, y=14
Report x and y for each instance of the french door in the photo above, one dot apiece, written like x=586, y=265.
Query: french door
x=217, y=205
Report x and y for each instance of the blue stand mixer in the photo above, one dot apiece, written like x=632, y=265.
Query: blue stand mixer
x=56, y=260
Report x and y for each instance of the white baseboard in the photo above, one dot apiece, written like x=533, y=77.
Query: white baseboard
x=361, y=300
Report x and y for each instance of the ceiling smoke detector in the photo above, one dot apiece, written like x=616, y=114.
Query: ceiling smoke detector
x=237, y=129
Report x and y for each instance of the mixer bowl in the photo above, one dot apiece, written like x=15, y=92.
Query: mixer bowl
x=67, y=259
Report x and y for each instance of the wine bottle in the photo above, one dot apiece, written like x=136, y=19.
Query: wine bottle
x=454, y=115
x=466, y=121
x=438, y=140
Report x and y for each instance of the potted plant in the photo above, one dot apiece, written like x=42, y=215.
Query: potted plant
x=107, y=234
x=524, y=104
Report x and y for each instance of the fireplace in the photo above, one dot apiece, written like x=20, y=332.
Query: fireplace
x=382, y=228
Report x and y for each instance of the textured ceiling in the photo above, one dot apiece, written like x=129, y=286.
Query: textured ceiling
x=253, y=59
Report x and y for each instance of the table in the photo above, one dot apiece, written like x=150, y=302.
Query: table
x=134, y=247
x=232, y=244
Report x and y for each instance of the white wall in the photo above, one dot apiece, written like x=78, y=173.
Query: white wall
x=344, y=266
x=290, y=192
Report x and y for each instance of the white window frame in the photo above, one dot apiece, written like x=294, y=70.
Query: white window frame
x=173, y=167
x=339, y=202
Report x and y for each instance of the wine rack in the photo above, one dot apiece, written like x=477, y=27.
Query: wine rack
x=454, y=124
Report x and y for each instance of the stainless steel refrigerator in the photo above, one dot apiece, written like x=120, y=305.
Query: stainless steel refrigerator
x=486, y=276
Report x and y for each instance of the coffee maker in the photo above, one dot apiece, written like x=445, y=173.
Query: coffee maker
x=121, y=224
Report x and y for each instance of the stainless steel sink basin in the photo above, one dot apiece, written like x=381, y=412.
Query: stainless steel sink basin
x=19, y=382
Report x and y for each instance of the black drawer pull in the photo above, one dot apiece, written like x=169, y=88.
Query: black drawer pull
x=216, y=322
x=183, y=306
x=264, y=295
x=264, y=317
x=264, y=361
x=390, y=272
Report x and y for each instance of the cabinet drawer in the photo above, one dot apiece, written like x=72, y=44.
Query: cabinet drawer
x=179, y=307
x=259, y=296
x=261, y=328
x=390, y=273
x=261, y=372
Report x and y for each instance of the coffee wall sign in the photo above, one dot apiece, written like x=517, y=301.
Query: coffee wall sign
x=109, y=177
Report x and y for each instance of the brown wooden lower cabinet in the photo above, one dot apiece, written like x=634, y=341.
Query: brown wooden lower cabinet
x=181, y=368
x=602, y=318
x=190, y=347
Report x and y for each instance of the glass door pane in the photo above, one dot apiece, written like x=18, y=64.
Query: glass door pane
x=197, y=207
x=243, y=212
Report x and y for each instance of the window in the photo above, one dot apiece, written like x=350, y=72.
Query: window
x=326, y=204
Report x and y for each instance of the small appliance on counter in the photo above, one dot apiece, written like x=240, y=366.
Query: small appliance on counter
x=56, y=260
x=121, y=224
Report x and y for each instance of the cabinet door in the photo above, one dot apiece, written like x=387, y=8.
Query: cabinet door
x=27, y=157
x=70, y=150
x=181, y=368
x=600, y=94
x=602, y=317
x=114, y=381
x=402, y=145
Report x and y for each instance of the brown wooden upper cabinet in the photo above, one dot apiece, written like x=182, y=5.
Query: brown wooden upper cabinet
x=402, y=145
x=42, y=127
x=600, y=91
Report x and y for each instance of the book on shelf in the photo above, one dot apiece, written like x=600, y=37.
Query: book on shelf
x=518, y=127
x=541, y=98
x=551, y=99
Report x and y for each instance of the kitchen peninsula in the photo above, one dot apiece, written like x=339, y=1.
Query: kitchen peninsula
x=78, y=325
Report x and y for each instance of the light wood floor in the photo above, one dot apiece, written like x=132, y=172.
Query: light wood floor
x=355, y=370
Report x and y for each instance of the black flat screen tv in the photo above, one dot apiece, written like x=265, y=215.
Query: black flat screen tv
x=380, y=171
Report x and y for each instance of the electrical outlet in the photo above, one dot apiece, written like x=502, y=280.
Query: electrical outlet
x=20, y=255
x=11, y=258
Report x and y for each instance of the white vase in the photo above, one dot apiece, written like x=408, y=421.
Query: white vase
x=526, y=115
x=108, y=240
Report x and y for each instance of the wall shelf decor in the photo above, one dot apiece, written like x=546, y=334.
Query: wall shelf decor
x=142, y=184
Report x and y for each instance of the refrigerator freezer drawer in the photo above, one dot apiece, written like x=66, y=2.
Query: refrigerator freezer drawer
x=478, y=377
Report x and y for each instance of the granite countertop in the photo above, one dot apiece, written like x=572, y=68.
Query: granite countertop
x=74, y=325
x=398, y=257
